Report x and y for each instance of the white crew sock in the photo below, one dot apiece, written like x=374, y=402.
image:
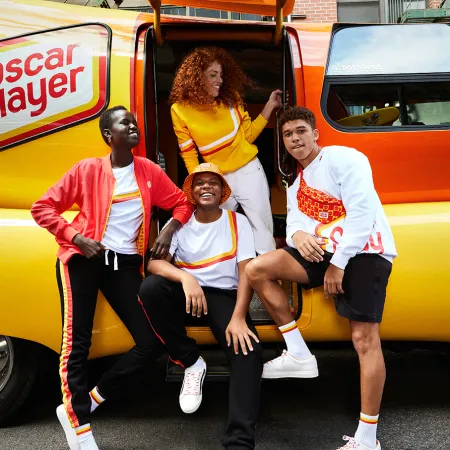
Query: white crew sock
x=96, y=399
x=199, y=364
x=296, y=346
x=367, y=431
x=86, y=438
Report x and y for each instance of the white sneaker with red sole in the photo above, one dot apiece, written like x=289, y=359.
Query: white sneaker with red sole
x=191, y=391
x=352, y=445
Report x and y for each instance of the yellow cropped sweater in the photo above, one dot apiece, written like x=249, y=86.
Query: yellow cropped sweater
x=222, y=135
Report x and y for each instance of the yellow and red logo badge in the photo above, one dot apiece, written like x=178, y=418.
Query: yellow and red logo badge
x=51, y=80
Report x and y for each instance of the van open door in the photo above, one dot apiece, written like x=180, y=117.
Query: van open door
x=272, y=8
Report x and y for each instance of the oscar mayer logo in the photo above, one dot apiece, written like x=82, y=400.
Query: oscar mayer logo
x=51, y=80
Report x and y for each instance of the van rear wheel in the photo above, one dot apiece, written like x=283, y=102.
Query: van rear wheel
x=17, y=374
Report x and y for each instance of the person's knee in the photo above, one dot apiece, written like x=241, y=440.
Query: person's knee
x=151, y=289
x=256, y=270
x=253, y=358
x=146, y=349
x=365, y=338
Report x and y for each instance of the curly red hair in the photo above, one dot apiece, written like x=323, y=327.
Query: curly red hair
x=189, y=85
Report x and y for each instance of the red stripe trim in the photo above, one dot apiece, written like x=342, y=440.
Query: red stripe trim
x=207, y=153
x=10, y=42
x=93, y=398
x=293, y=327
x=148, y=318
x=81, y=432
x=187, y=149
x=66, y=348
x=175, y=361
x=154, y=331
x=239, y=114
x=201, y=266
x=370, y=422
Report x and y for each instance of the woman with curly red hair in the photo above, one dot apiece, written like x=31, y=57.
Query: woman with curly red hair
x=209, y=117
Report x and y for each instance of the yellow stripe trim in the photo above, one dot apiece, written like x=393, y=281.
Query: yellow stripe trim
x=94, y=396
x=180, y=263
x=83, y=429
x=286, y=330
x=131, y=194
x=371, y=421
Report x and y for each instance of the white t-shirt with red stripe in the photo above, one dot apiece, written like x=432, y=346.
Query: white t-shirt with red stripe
x=126, y=213
x=211, y=251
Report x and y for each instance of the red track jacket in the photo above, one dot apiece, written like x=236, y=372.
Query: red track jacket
x=90, y=184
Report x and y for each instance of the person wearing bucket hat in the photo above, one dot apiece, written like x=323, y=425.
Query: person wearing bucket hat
x=209, y=119
x=207, y=276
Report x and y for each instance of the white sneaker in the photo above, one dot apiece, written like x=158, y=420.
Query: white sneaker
x=287, y=366
x=71, y=435
x=191, y=391
x=352, y=445
x=89, y=444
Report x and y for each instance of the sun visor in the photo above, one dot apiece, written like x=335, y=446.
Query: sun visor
x=274, y=8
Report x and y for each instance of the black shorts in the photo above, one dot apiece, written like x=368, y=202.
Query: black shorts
x=365, y=280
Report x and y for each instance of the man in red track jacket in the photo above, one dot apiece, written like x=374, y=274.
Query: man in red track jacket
x=103, y=248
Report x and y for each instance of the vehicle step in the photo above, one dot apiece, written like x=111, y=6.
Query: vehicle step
x=218, y=366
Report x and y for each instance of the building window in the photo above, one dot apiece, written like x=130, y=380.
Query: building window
x=197, y=12
x=360, y=11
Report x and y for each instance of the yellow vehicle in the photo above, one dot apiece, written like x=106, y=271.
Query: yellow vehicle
x=61, y=65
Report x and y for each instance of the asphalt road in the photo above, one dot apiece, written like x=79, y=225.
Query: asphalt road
x=295, y=414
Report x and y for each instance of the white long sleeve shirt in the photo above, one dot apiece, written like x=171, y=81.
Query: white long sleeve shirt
x=344, y=174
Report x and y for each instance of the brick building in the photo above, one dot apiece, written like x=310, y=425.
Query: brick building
x=356, y=10
x=372, y=11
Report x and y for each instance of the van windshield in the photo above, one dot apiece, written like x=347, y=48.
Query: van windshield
x=390, y=49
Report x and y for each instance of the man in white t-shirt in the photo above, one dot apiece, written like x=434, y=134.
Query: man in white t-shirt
x=210, y=254
x=338, y=236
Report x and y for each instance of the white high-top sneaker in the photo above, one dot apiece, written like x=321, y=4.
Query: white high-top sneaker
x=191, y=391
x=352, y=445
x=287, y=366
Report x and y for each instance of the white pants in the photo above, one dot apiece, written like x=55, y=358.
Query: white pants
x=249, y=188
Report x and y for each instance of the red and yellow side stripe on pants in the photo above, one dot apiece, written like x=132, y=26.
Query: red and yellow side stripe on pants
x=67, y=339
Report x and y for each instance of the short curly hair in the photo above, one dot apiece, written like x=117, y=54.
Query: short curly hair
x=298, y=113
x=189, y=86
x=105, y=120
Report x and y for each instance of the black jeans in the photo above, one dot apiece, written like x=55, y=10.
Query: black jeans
x=165, y=304
x=79, y=282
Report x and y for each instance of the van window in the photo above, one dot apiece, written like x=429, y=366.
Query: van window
x=389, y=104
x=52, y=80
x=374, y=80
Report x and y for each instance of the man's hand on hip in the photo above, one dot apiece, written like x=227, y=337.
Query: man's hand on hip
x=332, y=283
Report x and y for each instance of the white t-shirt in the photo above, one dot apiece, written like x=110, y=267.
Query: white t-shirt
x=126, y=213
x=344, y=174
x=210, y=251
